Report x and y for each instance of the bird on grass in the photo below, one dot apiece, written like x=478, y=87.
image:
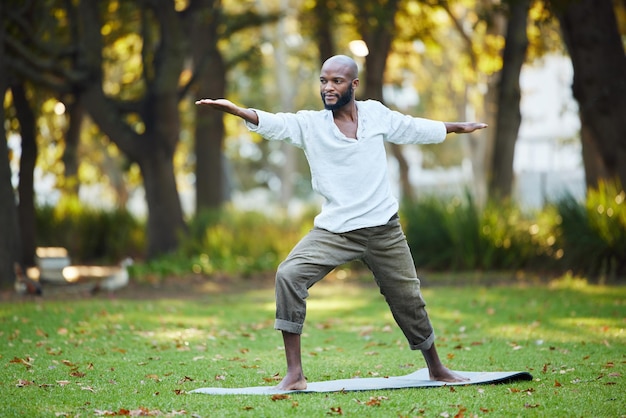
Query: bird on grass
x=117, y=280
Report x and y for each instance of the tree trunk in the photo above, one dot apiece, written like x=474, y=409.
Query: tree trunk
x=165, y=217
x=286, y=97
x=154, y=149
x=209, y=130
x=75, y=113
x=509, y=117
x=26, y=189
x=9, y=238
x=378, y=39
x=592, y=160
x=323, y=21
x=593, y=40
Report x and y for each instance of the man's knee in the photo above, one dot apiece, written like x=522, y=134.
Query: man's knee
x=284, y=273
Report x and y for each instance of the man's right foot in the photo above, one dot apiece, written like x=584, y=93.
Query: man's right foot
x=292, y=383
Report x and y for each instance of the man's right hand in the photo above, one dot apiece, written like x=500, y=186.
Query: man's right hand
x=229, y=107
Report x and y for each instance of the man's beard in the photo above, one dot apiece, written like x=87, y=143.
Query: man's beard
x=343, y=100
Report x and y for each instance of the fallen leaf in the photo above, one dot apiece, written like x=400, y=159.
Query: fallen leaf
x=279, y=397
x=534, y=405
x=557, y=384
x=275, y=377
x=21, y=383
x=336, y=410
x=103, y=413
x=26, y=362
x=77, y=374
x=461, y=412
x=63, y=382
x=377, y=399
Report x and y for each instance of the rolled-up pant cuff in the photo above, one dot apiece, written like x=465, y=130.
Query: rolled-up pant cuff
x=424, y=345
x=287, y=326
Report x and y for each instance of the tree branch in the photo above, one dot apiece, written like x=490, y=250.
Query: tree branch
x=43, y=64
x=459, y=27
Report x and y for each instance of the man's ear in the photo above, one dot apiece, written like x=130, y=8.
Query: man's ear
x=355, y=83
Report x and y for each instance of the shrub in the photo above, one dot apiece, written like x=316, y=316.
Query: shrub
x=89, y=234
x=455, y=235
x=241, y=242
x=593, y=234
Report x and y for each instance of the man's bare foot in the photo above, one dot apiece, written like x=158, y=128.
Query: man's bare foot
x=297, y=382
x=446, y=375
x=437, y=370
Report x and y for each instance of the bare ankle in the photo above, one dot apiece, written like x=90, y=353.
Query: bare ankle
x=443, y=374
x=294, y=381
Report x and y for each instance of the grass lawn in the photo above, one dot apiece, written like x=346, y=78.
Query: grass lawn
x=137, y=355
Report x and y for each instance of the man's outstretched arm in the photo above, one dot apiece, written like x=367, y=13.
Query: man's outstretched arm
x=227, y=106
x=463, y=127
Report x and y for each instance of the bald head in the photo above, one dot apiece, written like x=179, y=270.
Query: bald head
x=343, y=64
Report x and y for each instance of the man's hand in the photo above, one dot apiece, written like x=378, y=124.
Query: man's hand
x=464, y=127
x=229, y=107
x=219, y=104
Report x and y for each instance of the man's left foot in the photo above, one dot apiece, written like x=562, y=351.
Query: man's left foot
x=446, y=375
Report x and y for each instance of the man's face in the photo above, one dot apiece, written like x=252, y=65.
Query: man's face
x=336, y=85
x=336, y=100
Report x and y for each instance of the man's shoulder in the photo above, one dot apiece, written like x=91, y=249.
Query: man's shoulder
x=371, y=104
x=312, y=112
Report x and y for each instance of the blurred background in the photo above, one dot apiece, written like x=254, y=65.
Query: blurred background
x=107, y=156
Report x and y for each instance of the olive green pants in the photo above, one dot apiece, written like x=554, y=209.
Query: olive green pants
x=386, y=253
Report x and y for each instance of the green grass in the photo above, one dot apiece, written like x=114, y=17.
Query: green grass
x=97, y=356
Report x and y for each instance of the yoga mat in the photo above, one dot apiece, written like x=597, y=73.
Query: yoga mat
x=418, y=379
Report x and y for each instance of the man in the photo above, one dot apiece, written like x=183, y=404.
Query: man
x=344, y=145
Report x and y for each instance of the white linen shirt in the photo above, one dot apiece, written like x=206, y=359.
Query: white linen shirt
x=351, y=174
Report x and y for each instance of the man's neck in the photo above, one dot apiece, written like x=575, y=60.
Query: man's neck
x=347, y=112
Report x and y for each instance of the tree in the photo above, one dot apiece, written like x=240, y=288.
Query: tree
x=150, y=143
x=142, y=120
x=8, y=213
x=206, y=18
x=590, y=32
x=26, y=206
x=209, y=23
x=375, y=22
x=509, y=117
